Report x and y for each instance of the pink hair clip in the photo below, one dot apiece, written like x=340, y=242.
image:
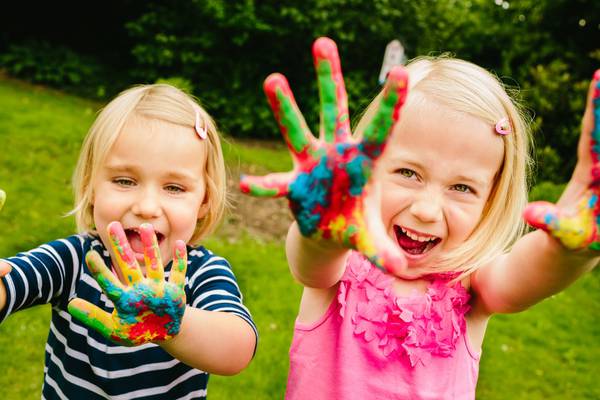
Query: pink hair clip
x=200, y=130
x=503, y=127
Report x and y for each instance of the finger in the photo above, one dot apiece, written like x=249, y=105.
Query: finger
x=271, y=185
x=375, y=242
x=291, y=122
x=2, y=198
x=152, y=258
x=574, y=230
x=335, y=121
x=5, y=268
x=179, y=266
x=92, y=316
x=123, y=253
x=105, y=278
x=387, y=113
x=590, y=128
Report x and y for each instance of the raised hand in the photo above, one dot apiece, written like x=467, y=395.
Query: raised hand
x=575, y=220
x=147, y=309
x=328, y=188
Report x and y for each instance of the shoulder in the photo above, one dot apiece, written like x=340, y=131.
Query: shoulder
x=205, y=265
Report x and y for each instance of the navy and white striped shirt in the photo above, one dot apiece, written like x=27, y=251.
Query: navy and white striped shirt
x=80, y=363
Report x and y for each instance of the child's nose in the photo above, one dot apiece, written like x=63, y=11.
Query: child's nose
x=427, y=207
x=147, y=205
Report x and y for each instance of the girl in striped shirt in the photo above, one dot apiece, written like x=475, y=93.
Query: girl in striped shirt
x=149, y=186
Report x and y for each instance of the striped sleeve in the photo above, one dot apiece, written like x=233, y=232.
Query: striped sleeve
x=42, y=275
x=212, y=286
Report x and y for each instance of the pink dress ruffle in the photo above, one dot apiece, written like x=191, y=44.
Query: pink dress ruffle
x=416, y=326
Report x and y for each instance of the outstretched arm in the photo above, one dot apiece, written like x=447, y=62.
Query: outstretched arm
x=4, y=267
x=566, y=244
x=329, y=188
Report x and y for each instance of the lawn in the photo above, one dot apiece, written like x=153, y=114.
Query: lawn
x=548, y=352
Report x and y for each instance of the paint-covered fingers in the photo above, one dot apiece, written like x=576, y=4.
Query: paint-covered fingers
x=387, y=113
x=179, y=266
x=105, y=278
x=335, y=120
x=271, y=185
x=92, y=316
x=124, y=253
x=152, y=258
x=289, y=118
x=2, y=198
x=575, y=229
x=589, y=142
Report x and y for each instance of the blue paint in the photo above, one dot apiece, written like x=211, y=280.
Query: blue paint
x=307, y=192
x=593, y=200
x=359, y=170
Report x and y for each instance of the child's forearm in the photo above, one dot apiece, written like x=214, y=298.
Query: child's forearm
x=215, y=342
x=537, y=267
x=4, y=269
x=314, y=264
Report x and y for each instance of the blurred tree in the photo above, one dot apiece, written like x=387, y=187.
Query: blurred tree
x=544, y=50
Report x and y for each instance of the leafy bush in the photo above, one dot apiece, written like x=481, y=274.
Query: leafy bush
x=56, y=66
x=547, y=191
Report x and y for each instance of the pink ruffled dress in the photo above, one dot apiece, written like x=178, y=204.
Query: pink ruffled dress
x=372, y=344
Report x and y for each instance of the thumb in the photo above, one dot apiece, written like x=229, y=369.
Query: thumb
x=377, y=246
x=541, y=215
x=575, y=229
x=5, y=268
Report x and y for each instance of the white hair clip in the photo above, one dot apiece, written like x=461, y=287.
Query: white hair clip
x=200, y=130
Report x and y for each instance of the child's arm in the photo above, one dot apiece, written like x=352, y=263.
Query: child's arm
x=216, y=342
x=328, y=185
x=150, y=309
x=548, y=260
x=4, y=269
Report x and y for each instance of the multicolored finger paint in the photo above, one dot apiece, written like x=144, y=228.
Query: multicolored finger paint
x=147, y=309
x=327, y=187
x=579, y=228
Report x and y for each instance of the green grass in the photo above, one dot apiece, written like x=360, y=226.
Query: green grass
x=548, y=352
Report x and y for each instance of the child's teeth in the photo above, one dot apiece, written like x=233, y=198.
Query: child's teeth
x=416, y=237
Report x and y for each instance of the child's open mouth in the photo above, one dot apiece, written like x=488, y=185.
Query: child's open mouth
x=135, y=240
x=413, y=243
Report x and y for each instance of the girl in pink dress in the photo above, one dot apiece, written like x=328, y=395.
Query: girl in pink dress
x=409, y=234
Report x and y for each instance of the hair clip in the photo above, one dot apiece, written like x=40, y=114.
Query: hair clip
x=503, y=127
x=201, y=131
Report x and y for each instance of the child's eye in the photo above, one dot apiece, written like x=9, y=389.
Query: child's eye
x=461, y=187
x=175, y=188
x=407, y=173
x=124, y=181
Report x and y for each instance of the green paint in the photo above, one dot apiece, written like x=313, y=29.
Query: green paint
x=349, y=233
x=329, y=101
x=260, y=191
x=292, y=121
x=594, y=246
x=379, y=127
x=84, y=317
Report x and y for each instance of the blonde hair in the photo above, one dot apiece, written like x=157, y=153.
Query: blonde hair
x=467, y=88
x=160, y=102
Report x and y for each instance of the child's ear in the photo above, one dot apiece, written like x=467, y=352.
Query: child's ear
x=203, y=209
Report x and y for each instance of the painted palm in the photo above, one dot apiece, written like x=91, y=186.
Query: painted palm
x=575, y=220
x=147, y=309
x=328, y=188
